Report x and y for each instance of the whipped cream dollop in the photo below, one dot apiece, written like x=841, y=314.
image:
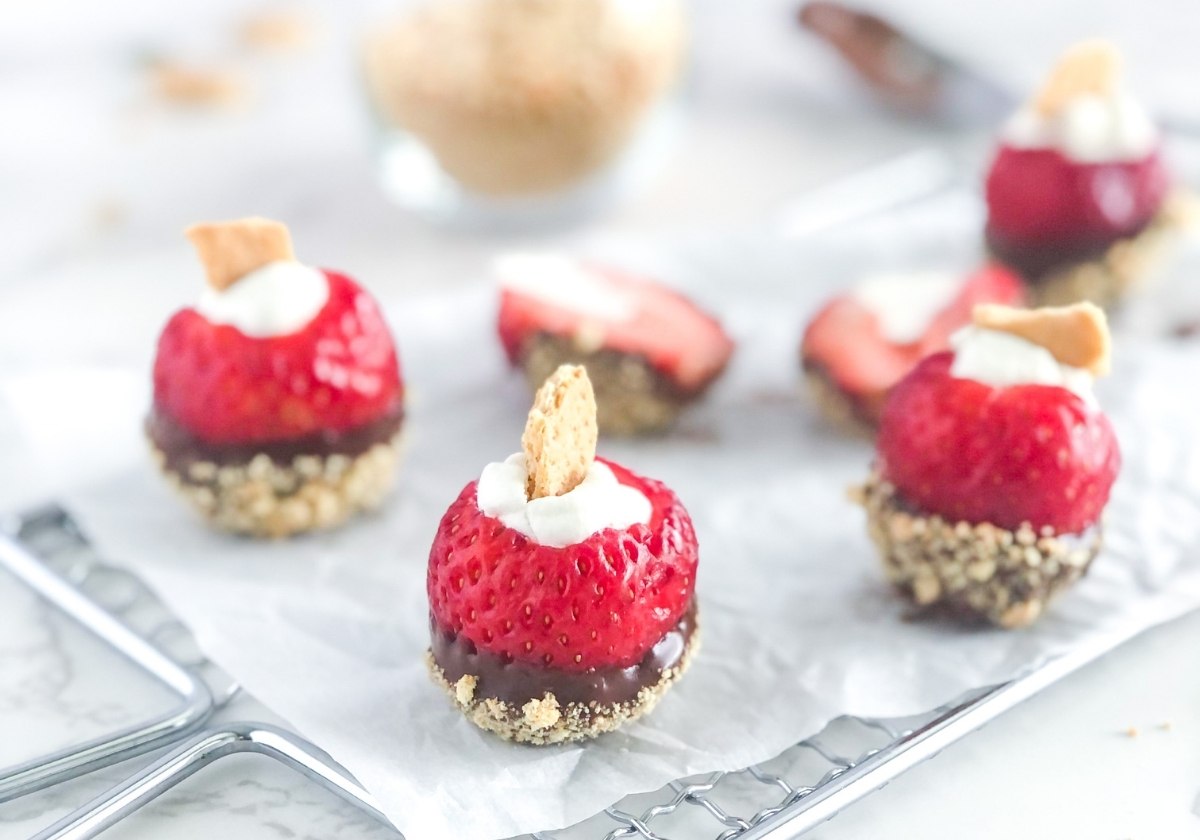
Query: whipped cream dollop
x=1088, y=129
x=598, y=502
x=1001, y=359
x=276, y=299
x=563, y=281
x=906, y=304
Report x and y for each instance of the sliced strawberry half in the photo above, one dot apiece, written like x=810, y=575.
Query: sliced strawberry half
x=602, y=602
x=639, y=317
x=971, y=452
x=845, y=343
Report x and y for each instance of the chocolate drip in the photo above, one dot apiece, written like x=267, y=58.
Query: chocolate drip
x=182, y=449
x=519, y=682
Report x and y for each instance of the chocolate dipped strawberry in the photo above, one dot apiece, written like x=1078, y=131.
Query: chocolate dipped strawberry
x=649, y=350
x=994, y=464
x=1079, y=199
x=561, y=585
x=277, y=398
x=863, y=342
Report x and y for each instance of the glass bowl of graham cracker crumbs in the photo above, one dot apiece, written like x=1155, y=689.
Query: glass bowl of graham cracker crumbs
x=523, y=112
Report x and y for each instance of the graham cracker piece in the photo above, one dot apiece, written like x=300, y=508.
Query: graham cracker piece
x=1088, y=67
x=1076, y=335
x=560, y=434
x=231, y=250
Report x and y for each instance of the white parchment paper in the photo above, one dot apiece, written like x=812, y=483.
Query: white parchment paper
x=798, y=624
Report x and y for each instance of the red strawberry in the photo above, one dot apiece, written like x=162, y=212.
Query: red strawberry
x=669, y=331
x=844, y=341
x=602, y=602
x=968, y=451
x=337, y=373
x=1040, y=198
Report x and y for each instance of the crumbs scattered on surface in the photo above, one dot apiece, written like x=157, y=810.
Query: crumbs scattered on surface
x=191, y=85
x=276, y=30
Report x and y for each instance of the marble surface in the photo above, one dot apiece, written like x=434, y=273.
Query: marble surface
x=61, y=686
x=94, y=189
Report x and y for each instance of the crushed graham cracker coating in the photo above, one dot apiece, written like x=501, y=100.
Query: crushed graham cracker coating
x=972, y=571
x=1075, y=335
x=545, y=720
x=230, y=250
x=1090, y=67
x=1106, y=279
x=266, y=499
x=632, y=398
x=560, y=433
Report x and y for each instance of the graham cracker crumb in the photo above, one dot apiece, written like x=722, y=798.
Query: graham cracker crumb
x=1075, y=335
x=541, y=714
x=230, y=250
x=1131, y=732
x=1090, y=67
x=464, y=689
x=197, y=86
x=276, y=30
x=560, y=434
x=1020, y=615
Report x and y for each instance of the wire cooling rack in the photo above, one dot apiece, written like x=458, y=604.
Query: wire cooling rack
x=801, y=788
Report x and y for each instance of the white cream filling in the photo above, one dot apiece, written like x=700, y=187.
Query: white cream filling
x=277, y=299
x=1002, y=359
x=560, y=280
x=906, y=304
x=599, y=502
x=1090, y=129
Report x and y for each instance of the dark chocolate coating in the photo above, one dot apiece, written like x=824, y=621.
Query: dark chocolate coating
x=182, y=449
x=1036, y=262
x=519, y=682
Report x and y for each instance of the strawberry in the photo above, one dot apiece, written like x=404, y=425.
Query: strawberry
x=1040, y=199
x=968, y=451
x=602, y=602
x=676, y=338
x=844, y=341
x=338, y=372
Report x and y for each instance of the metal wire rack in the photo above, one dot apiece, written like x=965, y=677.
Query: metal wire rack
x=784, y=797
